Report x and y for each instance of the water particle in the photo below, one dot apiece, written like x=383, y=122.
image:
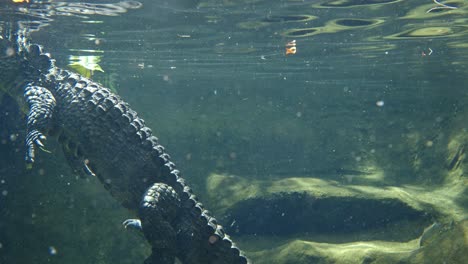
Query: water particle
x=13, y=137
x=52, y=251
x=380, y=103
x=4, y=192
x=9, y=52
x=1, y=245
x=2, y=181
x=298, y=114
x=41, y=172
x=213, y=239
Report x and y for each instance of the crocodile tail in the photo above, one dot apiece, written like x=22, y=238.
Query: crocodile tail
x=201, y=237
x=204, y=240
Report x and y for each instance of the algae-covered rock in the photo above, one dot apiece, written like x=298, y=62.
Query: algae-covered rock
x=311, y=220
x=446, y=243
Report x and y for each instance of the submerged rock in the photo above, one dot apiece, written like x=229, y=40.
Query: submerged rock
x=311, y=220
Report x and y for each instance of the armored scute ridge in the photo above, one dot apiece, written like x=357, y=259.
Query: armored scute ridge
x=102, y=136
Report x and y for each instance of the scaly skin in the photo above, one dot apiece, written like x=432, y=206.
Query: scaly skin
x=102, y=136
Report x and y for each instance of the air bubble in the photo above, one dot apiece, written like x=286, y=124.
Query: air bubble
x=9, y=52
x=52, y=251
x=13, y=137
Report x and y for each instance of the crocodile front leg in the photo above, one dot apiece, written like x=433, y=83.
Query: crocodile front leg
x=41, y=106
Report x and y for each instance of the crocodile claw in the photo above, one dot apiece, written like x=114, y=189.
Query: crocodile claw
x=38, y=140
x=33, y=138
x=133, y=223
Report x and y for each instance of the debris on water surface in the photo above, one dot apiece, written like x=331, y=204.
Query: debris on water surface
x=291, y=47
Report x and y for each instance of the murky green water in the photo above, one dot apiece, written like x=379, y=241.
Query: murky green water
x=368, y=114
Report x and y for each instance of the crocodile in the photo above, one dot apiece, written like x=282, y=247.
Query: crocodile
x=102, y=136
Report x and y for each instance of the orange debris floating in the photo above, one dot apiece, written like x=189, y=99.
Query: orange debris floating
x=291, y=47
